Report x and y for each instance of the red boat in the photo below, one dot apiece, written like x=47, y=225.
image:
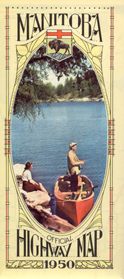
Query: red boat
x=74, y=205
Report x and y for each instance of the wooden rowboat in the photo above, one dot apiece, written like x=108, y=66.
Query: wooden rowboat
x=74, y=205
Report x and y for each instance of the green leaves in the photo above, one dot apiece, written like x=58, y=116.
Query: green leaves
x=32, y=90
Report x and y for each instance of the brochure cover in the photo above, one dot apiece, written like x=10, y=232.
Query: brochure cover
x=61, y=123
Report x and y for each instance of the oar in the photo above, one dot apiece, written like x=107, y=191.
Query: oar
x=80, y=198
x=88, y=189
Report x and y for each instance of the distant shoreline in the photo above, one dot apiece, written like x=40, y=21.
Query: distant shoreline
x=80, y=100
x=85, y=99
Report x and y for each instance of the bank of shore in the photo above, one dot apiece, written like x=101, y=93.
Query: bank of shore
x=39, y=205
x=85, y=99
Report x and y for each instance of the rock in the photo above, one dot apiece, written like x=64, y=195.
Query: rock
x=40, y=208
x=20, y=183
x=24, y=193
x=37, y=198
x=47, y=209
x=38, y=204
x=56, y=223
x=18, y=170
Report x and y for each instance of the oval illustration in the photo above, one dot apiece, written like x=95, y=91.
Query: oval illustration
x=59, y=137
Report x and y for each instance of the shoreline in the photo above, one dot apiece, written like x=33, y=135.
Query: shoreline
x=80, y=100
x=85, y=99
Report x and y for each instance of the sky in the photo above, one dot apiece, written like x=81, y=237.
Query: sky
x=53, y=79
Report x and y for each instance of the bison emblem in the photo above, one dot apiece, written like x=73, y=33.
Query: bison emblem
x=58, y=44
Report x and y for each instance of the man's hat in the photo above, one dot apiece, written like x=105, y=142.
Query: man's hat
x=72, y=144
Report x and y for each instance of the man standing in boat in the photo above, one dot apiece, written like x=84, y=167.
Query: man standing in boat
x=74, y=165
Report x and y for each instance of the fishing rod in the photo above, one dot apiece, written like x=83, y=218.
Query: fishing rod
x=88, y=189
x=82, y=167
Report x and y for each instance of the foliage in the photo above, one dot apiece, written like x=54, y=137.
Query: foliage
x=26, y=105
x=32, y=90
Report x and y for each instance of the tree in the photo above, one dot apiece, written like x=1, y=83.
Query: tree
x=73, y=65
x=26, y=105
x=60, y=90
x=32, y=90
x=70, y=86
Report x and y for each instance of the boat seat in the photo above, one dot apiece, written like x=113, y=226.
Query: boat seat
x=64, y=186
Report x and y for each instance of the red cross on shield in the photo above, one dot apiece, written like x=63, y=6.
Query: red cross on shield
x=59, y=43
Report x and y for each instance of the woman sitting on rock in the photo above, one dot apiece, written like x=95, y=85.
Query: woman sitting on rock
x=29, y=184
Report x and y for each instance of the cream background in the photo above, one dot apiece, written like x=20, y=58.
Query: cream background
x=118, y=162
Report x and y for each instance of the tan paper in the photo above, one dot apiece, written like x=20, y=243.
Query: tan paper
x=94, y=249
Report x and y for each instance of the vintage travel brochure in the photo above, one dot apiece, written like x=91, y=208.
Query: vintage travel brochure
x=61, y=97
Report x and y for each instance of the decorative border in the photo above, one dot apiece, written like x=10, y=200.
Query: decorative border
x=25, y=264
x=78, y=264
x=7, y=134
x=94, y=54
x=111, y=128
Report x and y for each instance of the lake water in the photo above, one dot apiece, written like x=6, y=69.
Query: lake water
x=47, y=144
